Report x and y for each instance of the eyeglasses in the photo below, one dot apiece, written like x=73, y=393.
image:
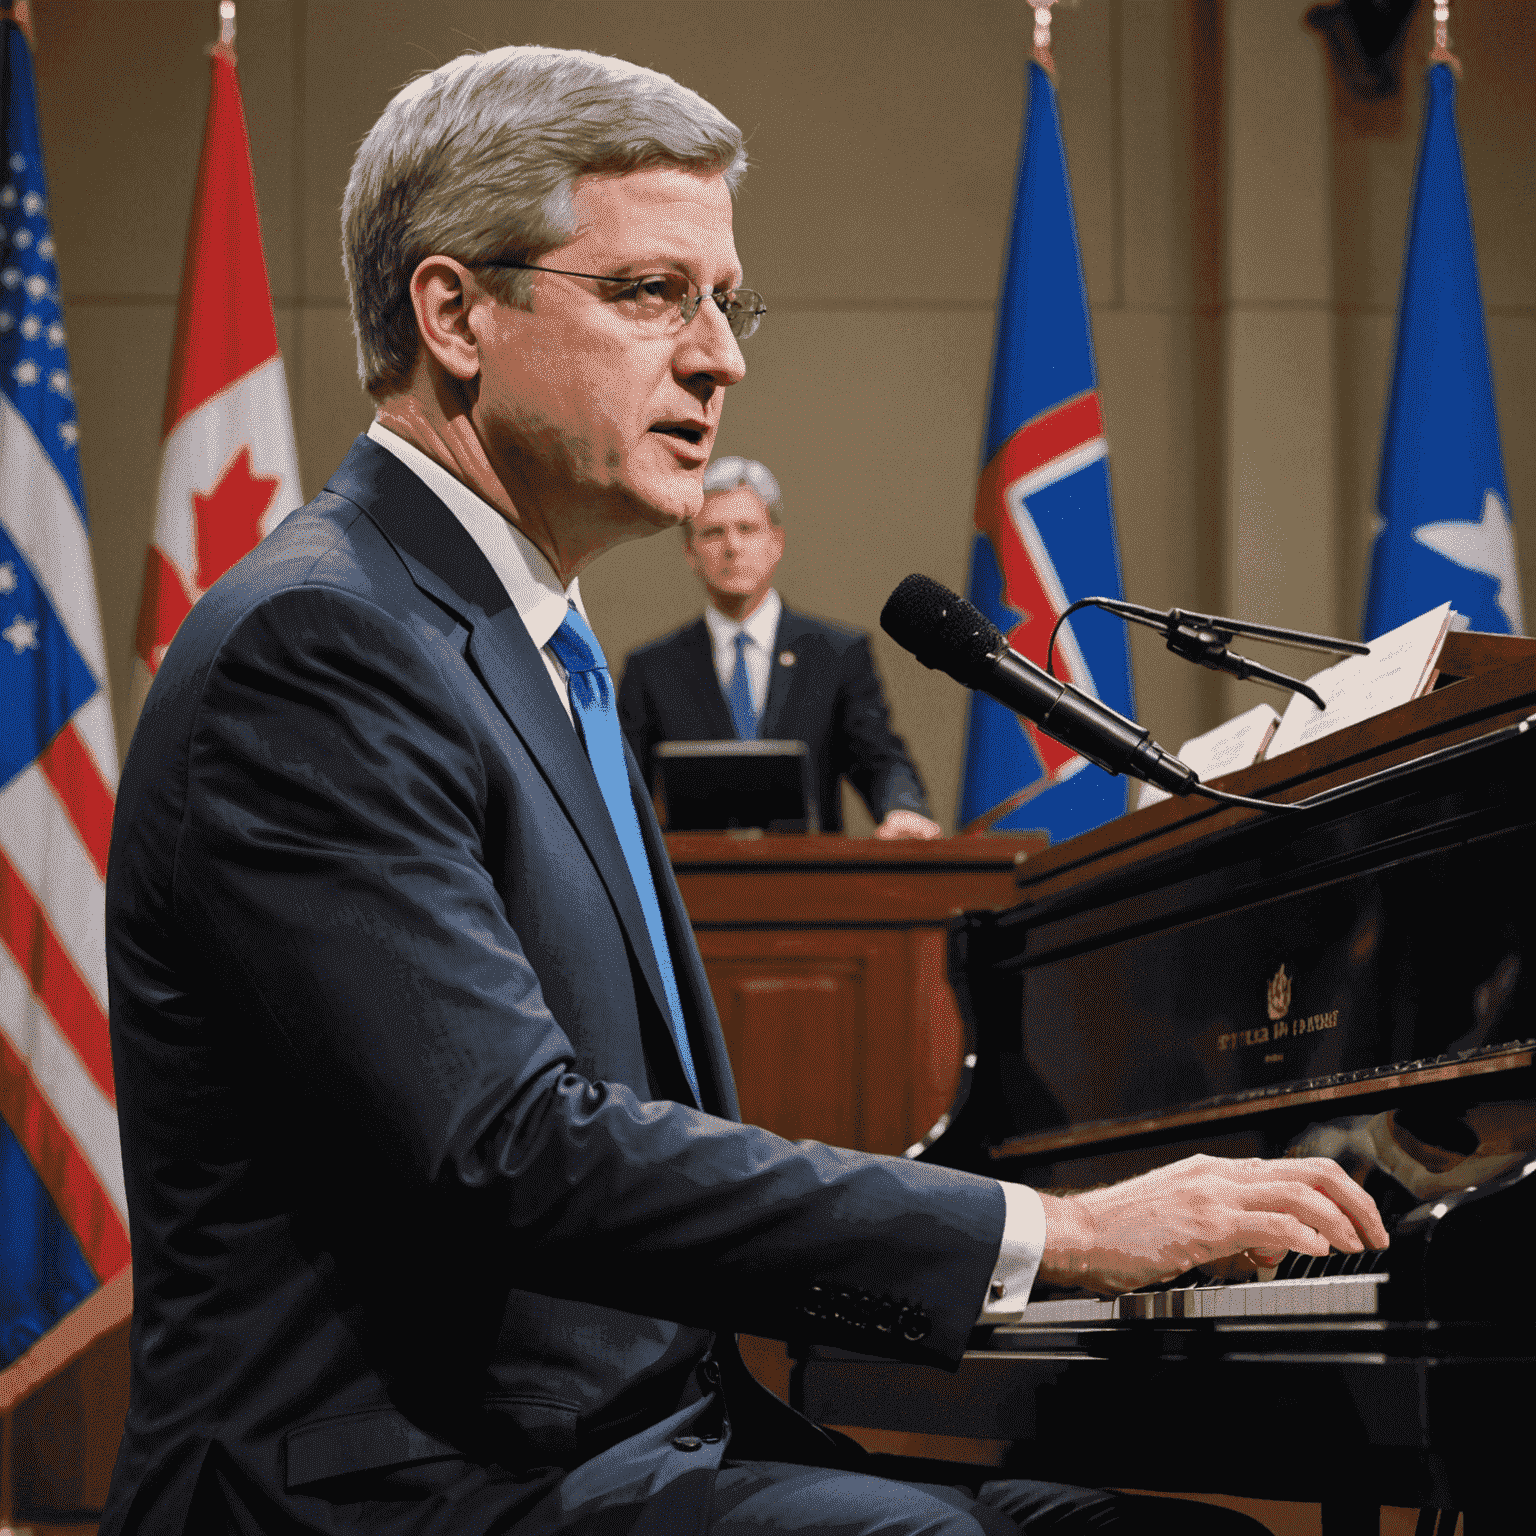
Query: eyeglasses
x=658, y=296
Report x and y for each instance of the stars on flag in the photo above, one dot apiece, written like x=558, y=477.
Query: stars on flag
x=1486, y=546
x=7, y=577
x=32, y=334
x=22, y=634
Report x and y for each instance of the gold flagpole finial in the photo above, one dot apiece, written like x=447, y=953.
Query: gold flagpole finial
x=1042, y=53
x=1441, y=52
x=225, y=47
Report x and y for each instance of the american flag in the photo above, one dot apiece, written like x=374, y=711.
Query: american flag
x=63, y=1215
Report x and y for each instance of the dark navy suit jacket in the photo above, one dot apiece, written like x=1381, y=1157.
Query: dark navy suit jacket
x=403, y=1127
x=827, y=695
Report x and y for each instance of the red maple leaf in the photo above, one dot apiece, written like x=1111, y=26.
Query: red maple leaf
x=229, y=517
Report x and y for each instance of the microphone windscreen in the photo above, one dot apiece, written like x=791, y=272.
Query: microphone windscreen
x=940, y=627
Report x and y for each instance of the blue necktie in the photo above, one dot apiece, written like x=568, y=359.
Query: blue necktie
x=592, y=699
x=739, y=694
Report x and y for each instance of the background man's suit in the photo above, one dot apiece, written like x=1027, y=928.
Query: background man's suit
x=404, y=1126
x=829, y=697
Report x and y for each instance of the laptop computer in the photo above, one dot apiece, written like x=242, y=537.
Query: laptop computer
x=718, y=786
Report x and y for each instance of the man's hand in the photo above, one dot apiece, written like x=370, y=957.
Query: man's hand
x=1154, y=1227
x=908, y=824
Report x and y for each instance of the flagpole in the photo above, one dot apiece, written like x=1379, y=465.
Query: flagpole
x=1441, y=52
x=225, y=47
x=1042, y=49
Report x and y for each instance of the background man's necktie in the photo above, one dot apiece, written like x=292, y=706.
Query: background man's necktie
x=592, y=699
x=739, y=694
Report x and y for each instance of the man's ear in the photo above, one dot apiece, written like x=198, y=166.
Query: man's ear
x=442, y=291
x=776, y=530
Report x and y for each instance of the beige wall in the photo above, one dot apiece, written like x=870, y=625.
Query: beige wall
x=1241, y=228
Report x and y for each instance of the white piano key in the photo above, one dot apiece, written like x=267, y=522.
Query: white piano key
x=1323, y=1295
x=1069, y=1309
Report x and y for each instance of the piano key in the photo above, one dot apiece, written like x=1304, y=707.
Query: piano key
x=1334, y=1295
x=1071, y=1309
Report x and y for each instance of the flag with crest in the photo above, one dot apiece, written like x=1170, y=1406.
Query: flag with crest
x=1045, y=526
x=63, y=1215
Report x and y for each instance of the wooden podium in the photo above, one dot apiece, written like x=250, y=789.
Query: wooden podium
x=62, y=1406
x=827, y=960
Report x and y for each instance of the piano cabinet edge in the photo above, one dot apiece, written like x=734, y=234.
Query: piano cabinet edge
x=1412, y=1432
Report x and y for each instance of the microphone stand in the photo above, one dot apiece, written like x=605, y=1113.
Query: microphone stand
x=1203, y=638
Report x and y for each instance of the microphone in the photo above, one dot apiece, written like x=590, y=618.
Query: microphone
x=946, y=632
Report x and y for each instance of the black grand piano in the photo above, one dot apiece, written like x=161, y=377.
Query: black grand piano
x=1357, y=978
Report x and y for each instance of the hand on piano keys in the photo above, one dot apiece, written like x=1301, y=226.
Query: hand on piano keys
x=1150, y=1229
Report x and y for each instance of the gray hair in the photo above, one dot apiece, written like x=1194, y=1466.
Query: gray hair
x=478, y=159
x=731, y=472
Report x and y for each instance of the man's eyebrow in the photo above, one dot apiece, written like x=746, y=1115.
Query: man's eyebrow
x=656, y=266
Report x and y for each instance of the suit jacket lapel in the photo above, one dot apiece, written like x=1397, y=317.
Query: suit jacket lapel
x=515, y=675
x=781, y=679
x=699, y=680
x=446, y=564
x=710, y=1059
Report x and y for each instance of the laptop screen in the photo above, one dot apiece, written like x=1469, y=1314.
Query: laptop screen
x=716, y=786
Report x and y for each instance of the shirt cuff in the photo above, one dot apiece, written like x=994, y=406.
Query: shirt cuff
x=1018, y=1260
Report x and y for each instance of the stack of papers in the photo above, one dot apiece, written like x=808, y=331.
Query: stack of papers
x=1401, y=666
x=1231, y=746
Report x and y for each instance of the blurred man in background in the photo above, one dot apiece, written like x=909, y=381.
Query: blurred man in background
x=752, y=669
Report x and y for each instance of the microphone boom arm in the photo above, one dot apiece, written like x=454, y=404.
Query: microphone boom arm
x=1203, y=638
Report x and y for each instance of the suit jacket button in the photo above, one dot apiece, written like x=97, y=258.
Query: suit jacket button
x=687, y=1443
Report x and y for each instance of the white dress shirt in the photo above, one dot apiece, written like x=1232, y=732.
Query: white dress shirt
x=541, y=602
x=529, y=578
x=760, y=627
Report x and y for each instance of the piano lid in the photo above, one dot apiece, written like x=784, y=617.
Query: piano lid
x=1186, y=964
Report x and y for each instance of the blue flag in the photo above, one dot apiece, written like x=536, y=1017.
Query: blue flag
x=1444, y=531
x=1044, y=519
x=63, y=1215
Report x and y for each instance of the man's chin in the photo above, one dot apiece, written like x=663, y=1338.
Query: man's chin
x=667, y=506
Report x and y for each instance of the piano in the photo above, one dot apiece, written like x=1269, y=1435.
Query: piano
x=1355, y=978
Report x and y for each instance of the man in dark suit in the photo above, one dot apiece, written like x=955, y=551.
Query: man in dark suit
x=440, y=1210
x=751, y=668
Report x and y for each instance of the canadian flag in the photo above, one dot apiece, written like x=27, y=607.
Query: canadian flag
x=228, y=469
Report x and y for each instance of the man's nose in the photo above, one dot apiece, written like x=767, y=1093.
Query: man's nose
x=707, y=349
